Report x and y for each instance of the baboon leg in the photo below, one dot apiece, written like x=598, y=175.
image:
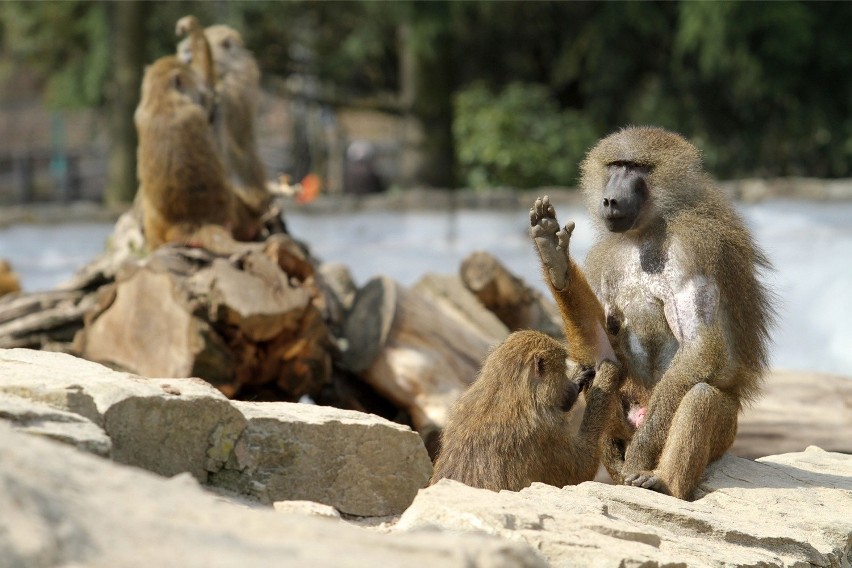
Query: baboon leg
x=703, y=427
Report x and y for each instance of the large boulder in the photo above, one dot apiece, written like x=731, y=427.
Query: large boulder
x=358, y=463
x=44, y=420
x=167, y=426
x=62, y=507
x=784, y=510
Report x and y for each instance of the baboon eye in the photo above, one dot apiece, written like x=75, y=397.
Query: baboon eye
x=633, y=165
x=226, y=43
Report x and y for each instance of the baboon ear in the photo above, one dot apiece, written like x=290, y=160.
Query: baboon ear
x=177, y=81
x=538, y=366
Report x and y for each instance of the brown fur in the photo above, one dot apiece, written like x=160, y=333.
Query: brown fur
x=511, y=427
x=182, y=179
x=583, y=317
x=238, y=91
x=200, y=57
x=691, y=387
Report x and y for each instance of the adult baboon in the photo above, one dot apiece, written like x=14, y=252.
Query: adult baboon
x=677, y=273
x=511, y=427
x=182, y=185
x=238, y=93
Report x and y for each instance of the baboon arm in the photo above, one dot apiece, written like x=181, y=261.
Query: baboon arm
x=583, y=319
x=601, y=401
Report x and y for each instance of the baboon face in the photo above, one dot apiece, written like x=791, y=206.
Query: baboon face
x=624, y=196
x=557, y=380
x=640, y=174
x=229, y=52
x=168, y=75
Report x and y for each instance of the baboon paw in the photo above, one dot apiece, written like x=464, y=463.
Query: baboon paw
x=551, y=241
x=646, y=480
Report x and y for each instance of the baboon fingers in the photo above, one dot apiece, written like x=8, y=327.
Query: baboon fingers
x=646, y=480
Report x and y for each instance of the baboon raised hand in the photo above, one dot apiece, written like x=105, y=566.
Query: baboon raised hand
x=677, y=273
x=582, y=314
x=511, y=427
x=182, y=185
x=238, y=92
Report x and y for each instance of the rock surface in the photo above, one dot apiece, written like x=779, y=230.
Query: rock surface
x=358, y=463
x=42, y=420
x=789, y=510
x=61, y=507
x=167, y=426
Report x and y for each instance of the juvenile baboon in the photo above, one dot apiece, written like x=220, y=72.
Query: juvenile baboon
x=677, y=273
x=181, y=176
x=237, y=92
x=511, y=427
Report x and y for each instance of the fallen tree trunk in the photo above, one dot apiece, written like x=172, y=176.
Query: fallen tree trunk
x=413, y=352
x=517, y=305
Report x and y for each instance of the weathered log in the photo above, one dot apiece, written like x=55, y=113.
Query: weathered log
x=450, y=293
x=512, y=301
x=15, y=306
x=424, y=358
x=148, y=330
x=258, y=299
x=32, y=320
x=237, y=323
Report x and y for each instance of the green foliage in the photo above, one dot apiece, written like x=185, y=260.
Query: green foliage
x=518, y=138
x=765, y=88
x=65, y=43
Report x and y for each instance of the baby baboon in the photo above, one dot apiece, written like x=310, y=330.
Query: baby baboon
x=181, y=176
x=676, y=271
x=237, y=91
x=511, y=427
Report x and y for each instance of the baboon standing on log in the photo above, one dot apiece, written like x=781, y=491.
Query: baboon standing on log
x=238, y=93
x=677, y=273
x=182, y=179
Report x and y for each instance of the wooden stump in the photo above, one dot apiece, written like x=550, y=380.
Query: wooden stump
x=512, y=301
x=412, y=351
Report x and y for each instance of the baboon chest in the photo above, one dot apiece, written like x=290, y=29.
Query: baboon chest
x=655, y=305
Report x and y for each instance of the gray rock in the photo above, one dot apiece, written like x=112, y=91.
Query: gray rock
x=167, y=426
x=42, y=420
x=787, y=510
x=62, y=507
x=306, y=508
x=358, y=463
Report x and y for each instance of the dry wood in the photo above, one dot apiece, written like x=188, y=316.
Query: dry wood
x=450, y=293
x=512, y=301
x=427, y=358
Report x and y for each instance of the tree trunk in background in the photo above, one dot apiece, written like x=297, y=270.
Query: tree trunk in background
x=127, y=21
x=426, y=88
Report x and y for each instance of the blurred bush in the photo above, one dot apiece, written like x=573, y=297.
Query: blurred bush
x=518, y=137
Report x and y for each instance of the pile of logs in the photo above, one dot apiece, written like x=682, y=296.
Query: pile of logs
x=267, y=321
